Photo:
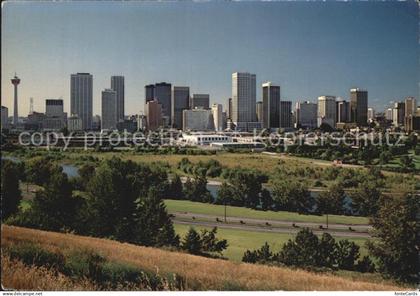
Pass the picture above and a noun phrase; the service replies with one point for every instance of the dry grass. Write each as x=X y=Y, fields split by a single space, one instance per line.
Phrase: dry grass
x=199 y=273
x=16 y=275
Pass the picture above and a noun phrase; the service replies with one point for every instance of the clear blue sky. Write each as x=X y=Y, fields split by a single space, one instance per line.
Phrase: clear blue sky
x=309 y=48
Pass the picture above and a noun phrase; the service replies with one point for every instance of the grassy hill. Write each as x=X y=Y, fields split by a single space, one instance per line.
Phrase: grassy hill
x=197 y=273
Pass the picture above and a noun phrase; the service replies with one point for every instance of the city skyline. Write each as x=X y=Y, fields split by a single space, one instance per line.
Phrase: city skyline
x=44 y=46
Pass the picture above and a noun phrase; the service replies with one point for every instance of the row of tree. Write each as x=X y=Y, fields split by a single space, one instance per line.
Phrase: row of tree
x=307 y=250
x=122 y=200
x=395 y=247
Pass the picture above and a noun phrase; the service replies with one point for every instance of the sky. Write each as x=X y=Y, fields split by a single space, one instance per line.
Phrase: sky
x=308 y=48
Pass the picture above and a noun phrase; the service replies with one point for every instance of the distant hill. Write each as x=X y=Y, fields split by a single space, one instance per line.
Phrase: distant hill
x=198 y=273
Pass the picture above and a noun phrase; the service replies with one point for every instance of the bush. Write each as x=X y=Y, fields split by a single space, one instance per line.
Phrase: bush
x=32 y=254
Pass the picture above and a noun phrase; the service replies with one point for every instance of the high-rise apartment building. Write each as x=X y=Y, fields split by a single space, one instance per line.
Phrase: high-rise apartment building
x=244 y=100
x=358 y=106
x=180 y=102
x=81 y=97
x=306 y=114
x=200 y=101
x=109 y=109
x=326 y=110
x=117 y=84
x=271 y=105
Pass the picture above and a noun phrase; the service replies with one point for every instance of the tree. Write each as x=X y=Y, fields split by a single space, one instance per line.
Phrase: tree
x=266 y=200
x=152 y=223
x=327 y=251
x=365 y=200
x=332 y=200
x=196 y=190
x=407 y=163
x=250 y=256
x=302 y=251
x=365 y=265
x=39 y=170
x=54 y=207
x=262 y=255
x=175 y=191
x=292 y=196
x=86 y=172
x=11 y=194
x=397 y=248
x=125 y=201
x=192 y=242
x=347 y=254
x=210 y=243
x=385 y=157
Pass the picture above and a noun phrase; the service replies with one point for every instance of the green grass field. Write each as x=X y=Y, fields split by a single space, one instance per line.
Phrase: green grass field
x=210 y=209
x=241 y=240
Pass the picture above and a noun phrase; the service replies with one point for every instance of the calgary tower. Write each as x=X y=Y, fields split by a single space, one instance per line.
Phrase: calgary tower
x=15 y=82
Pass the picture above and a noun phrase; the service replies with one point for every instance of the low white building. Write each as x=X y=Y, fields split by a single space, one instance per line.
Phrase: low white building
x=205 y=139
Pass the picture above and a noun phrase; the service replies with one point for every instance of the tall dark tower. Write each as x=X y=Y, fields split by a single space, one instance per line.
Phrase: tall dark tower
x=15 y=81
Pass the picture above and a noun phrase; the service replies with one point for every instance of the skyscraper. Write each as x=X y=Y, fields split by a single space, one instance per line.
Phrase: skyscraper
x=15 y=81
x=55 y=117
x=358 y=106
x=201 y=101
x=180 y=102
x=117 y=84
x=81 y=96
x=109 y=109
x=343 y=111
x=285 y=114
x=398 y=114
x=244 y=100
x=371 y=114
x=326 y=110
x=217 y=110
x=149 y=92
x=153 y=114
x=306 y=114
x=410 y=106
x=4 y=117
x=259 y=110
x=163 y=92
x=229 y=108
x=271 y=105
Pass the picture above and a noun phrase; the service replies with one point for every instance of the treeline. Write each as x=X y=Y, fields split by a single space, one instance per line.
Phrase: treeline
x=395 y=247
x=367 y=154
x=120 y=200
x=286 y=191
x=306 y=250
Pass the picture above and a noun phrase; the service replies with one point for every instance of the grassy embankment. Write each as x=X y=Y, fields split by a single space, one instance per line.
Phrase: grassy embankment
x=197 y=273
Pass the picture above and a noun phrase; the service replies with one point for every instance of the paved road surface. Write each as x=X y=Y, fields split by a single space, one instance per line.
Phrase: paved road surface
x=274 y=225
